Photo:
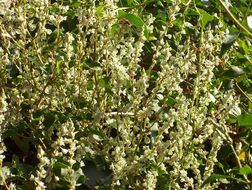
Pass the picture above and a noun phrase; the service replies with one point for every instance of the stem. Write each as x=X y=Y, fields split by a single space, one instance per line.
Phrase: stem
x=235 y=19
x=49 y=82
x=244 y=93
x=199 y=57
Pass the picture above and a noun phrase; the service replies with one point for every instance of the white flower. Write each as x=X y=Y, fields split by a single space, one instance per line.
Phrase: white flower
x=211 y=97
x=4 y=6
x=151 y=180
x=249 y=21
x=228 y=3
x=206 y=2
x=12 y=186
x=235 y=111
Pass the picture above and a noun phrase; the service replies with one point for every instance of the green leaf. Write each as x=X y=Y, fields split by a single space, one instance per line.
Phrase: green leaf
x=232 y=119
x=63 y=183
x=80 y=102
x=70 y=14
x=89 y=64
x=58 y=63
x=80 y=178
x=114 y=29
x=104 y=83
x=12 y=131
x=152 y=38
x=245 y=170
x=99 y=10
x=233 y=72
x=130 y=2
x=160 y=3
x=99 y=162
x=244 y=46
x=230 y=38
x=60 y=165
x=75 y=4
x=170 y=101
x=49 y=119
x=135 y=20
x=205 y=17
x=215 y=177
x=163 y=181
x=98 y=132
x=221 y=166
x=121 y=14
x=228 y=42
x=245 y=120
x=53 y=8
x=24 y=170
x=146 y=33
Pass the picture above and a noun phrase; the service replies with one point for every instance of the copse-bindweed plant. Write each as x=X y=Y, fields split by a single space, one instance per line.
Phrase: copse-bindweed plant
x=131 y=86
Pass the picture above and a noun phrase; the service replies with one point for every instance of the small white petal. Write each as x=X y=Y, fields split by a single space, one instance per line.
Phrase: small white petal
x=236 y=110
x=212 y=98
x=249 y=21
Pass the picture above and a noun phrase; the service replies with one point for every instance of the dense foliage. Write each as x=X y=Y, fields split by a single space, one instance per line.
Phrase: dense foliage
x=125 y=94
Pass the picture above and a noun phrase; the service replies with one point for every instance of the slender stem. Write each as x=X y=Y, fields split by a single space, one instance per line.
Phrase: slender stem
x=49 y=82
x=235 y=19
x=244 y=93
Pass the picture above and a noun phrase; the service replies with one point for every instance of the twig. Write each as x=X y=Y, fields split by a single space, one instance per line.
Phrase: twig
x=43 y=91
x=244 y=93
x=235 y=19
